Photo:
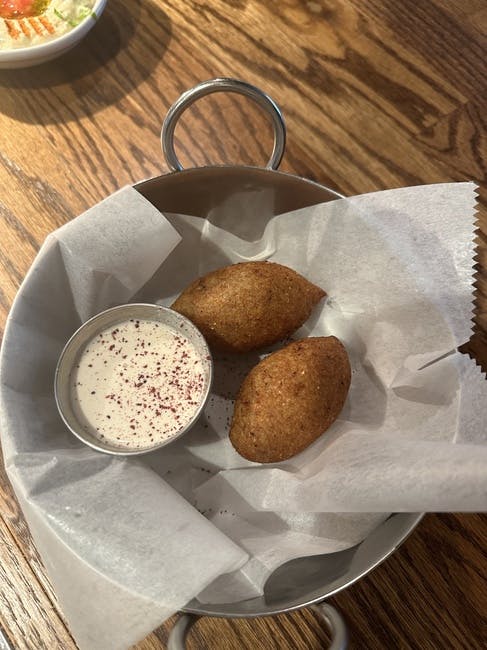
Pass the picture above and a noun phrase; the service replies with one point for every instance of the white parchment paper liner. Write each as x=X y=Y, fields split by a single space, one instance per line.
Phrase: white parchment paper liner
x=124 y=547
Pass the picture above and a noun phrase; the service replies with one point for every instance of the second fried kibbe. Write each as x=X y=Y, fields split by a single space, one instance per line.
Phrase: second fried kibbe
x=289 y=399
x=247 y=306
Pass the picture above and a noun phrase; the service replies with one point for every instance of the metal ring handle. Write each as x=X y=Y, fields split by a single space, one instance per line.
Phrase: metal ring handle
x=215 y=86
x=331 y=616
x=336 y=624
x=178 y=634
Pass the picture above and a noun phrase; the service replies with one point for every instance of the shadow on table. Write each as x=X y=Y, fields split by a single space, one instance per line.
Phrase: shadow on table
x=116 y=56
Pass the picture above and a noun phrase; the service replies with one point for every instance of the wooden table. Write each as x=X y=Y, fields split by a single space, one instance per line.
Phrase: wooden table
x=376 y=94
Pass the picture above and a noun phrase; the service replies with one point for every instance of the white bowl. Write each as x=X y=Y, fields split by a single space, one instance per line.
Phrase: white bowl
x=25 y=57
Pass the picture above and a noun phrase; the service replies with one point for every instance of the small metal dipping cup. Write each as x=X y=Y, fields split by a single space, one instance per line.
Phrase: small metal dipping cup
x=87 y=332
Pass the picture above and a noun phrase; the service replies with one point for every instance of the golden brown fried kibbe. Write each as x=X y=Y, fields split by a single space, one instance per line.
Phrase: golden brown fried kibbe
x=289 y=399
x=250 y=305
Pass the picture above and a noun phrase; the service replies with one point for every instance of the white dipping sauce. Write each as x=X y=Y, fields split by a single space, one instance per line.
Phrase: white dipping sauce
x=138 y=383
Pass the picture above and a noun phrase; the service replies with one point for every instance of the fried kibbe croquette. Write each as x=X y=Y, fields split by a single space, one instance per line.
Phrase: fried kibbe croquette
x=247 y=306
x=290 y=398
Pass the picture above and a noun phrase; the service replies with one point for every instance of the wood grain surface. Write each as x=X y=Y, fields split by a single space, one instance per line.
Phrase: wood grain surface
x=376 y=94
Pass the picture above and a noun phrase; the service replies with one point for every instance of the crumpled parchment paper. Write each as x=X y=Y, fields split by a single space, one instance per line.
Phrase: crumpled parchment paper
x=129 y=542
